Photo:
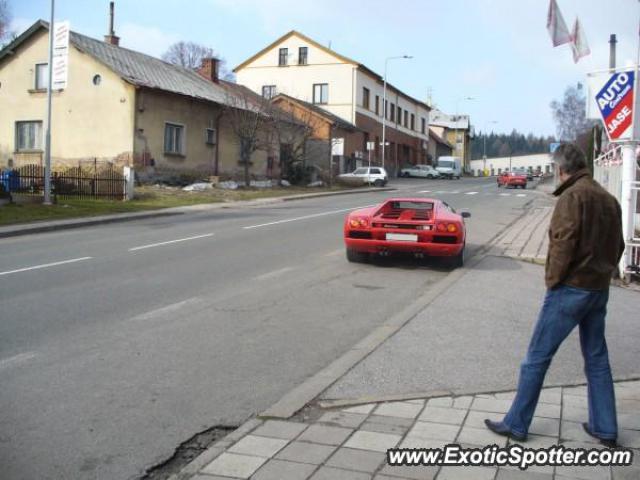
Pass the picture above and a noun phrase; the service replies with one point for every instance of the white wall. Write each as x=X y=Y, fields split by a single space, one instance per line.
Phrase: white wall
x=541 y=160
x=298 y=80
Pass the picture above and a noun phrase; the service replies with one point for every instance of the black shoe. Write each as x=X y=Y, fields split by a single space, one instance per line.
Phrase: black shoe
x=501 y=429
x=607 y=442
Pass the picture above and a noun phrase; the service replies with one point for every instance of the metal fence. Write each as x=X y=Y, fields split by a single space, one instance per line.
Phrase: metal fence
x=107 y=183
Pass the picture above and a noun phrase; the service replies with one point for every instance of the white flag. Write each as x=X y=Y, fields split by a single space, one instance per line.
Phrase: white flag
x=556 y=26
x=579 y=43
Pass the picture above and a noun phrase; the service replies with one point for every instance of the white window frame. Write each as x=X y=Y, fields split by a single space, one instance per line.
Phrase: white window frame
x=42 y=84
x=37 y=139
x=272 y=91
x=182 y=150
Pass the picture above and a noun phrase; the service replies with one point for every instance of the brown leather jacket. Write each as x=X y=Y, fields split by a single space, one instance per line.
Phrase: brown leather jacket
x=585 y=235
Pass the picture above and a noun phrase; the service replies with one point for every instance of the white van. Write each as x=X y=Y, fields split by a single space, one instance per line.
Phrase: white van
x=449 y=167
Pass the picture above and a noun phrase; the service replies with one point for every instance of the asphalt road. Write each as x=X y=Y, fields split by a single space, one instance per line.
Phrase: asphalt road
x=119 y=342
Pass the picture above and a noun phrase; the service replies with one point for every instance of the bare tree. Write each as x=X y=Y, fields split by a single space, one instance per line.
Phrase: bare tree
x=190 y=55
x=249 y=118
x=570 y=114
x=5 y=20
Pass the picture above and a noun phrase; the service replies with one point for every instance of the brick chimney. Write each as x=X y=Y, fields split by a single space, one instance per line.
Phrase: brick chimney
x=209 y=68
x=111 y=37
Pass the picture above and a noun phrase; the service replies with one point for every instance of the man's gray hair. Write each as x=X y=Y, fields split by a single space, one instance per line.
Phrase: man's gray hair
x=569 y=158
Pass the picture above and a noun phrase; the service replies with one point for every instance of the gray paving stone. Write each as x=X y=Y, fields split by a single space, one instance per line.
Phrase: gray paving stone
x=280 y=429
x=491 y=405
x=359 y=460
x=573 y=431
x=629 y=438
x=378 y=442
x=363 y=409
x=584 y=473
x=417 y=401
x=631 y=472
x=536 y=441
x=476 y=419
x=522 y=475
x=437 y=431
x=579 y=391
x=551 y=395
x=304 y=452
x=440 y=402
x=235 y=466
x=548 y=410
x=342 y=419
x=330 y=473
x=258 y=446
x=574 y=401
x=415 y=473
x=627 y=405
x=549 y=427
x=369 y=426
x=629 y=421
x=462 y=402
x=283 y=470
x=574 y=414
x=466 y=473
x=325 y=434
x=399 y=409
x=505 y=396
x=419 y=442
x=451 y=416
x=480 y=437
x=401 y=422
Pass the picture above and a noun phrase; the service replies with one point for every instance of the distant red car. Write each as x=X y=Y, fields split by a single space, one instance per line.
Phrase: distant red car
x=512 y=179
x=421 y=226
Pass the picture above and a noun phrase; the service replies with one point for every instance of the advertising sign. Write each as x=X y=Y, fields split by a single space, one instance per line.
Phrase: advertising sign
x=60 y=55
x=615 y=102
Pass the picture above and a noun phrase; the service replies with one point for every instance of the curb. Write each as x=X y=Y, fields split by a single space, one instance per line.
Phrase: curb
x=41 y=227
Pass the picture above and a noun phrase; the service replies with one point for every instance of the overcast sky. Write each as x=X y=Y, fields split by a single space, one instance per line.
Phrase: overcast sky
x=497 y=51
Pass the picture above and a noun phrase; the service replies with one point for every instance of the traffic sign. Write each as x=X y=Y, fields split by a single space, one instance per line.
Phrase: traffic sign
x=615 y=102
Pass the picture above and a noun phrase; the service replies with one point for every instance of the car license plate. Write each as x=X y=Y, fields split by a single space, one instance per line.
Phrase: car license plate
x=402 y=237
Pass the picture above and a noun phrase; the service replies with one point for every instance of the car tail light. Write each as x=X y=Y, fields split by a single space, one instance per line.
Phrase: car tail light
x=452 y=228
x=442 y=227
x=447 y=227
x=358 y=223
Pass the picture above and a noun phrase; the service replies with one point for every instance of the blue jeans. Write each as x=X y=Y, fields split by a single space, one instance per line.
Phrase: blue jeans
x=565 y=307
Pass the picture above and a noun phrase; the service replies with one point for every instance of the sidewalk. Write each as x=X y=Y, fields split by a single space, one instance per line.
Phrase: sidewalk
x=433 y=377
x=351 y=443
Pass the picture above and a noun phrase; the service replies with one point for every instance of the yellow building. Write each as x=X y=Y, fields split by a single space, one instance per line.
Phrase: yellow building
x=457 y=131
x=120 y=107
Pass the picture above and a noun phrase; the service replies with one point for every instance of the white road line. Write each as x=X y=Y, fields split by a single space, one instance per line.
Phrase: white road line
x=505 y=194
x=45 y=265
x=21 y=357
x=471 y=193
x=455 y=191
x=275 y=273
x=142 y=247
x=150 y=315
x=521 y=195
x=424 y=191
x=306 y=217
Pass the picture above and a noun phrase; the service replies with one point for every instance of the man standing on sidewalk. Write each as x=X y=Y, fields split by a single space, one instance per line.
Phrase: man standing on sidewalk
x=585 y=246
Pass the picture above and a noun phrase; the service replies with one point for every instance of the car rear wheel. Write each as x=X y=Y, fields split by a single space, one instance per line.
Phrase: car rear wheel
x=524 y=186
x=458 y=260
x=356 y=257
x=378 y=183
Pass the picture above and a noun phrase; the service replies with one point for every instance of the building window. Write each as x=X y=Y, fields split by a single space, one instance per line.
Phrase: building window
x=173 y=138
x=283 y=57
x=392 y=113
x=321 y=93
x=386 y=109
x=210 y=136
x=302 y=55
x=377 y=105
x=268 y=91
x=406 y=118
x=365 y=98
x=423 y=125
x=399 y=115
x=42 y=76
x=28 y=136
x=413 y=122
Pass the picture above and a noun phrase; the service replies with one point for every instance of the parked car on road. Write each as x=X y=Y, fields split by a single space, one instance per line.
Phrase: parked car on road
x=421 y=226
x=368 y=175
x=423 y=171
x=449 y=167
x=512 y=179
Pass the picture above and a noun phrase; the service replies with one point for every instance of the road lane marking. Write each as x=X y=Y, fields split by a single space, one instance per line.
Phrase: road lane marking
x=20 y=358
x=521 y=195
x=142 y=247
x=307 y=217
x=505 y=194
x=471 y=193
x=164 y=310
x=424 y=191
x=45 y=265
x=275 y=273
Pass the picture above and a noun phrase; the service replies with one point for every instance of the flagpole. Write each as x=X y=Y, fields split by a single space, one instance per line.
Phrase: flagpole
x=47 y=146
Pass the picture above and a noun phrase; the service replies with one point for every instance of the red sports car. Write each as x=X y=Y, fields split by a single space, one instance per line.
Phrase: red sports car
x=512 y=179
x=421 y=226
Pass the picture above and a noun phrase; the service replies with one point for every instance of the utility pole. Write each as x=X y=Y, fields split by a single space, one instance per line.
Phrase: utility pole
x=47 y=142
x=612 y=51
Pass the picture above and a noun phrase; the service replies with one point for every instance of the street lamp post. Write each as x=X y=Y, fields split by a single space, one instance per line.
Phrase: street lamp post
x=384 y=103
x=458 y=100
x=47 y=141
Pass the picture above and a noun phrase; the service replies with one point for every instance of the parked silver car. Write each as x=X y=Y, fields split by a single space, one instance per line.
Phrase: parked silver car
x=369 y=175
x=423 y=171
